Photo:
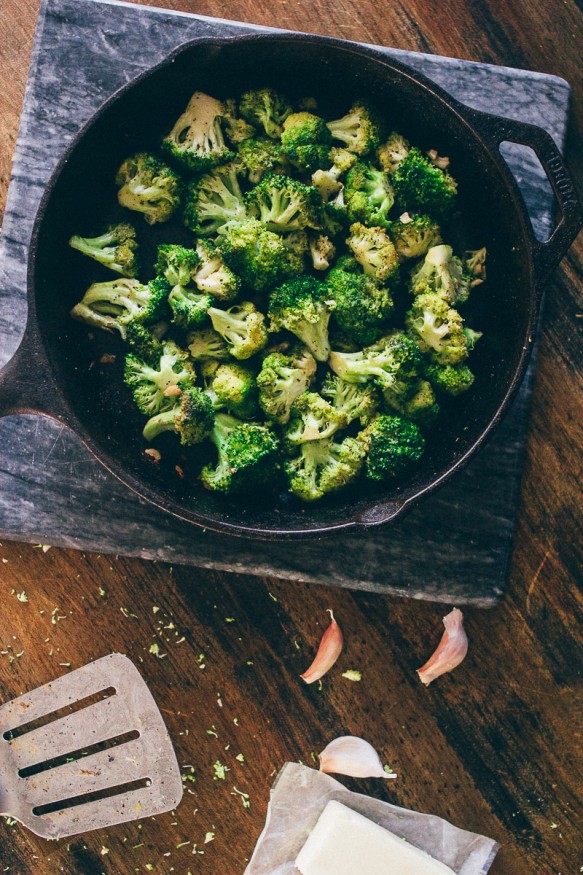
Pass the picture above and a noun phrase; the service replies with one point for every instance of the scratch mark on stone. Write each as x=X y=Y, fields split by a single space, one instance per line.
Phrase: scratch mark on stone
x=534 y=580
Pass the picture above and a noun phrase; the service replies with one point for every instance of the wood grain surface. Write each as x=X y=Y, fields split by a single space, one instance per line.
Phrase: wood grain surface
x=494 y=747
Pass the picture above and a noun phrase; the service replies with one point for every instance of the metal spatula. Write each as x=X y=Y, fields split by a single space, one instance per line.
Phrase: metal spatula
x=88 y=750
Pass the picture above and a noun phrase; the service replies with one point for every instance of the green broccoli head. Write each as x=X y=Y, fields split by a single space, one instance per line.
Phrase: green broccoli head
x=156 y=388
x=306 y=141
x=192 y=418
x=414 y=235
x=360 y=129
x=282 y=379
x=214 y=200
x=206 y=344
x=450 y=379
x=177 y=264
x=374 y=251
x=324 y=467
x=362 y=307
x=313 y=419
x=248 y=457
x=393 y=360
x=393 y=152
x=284 y=204
x=242 y=327
x=261 y=155
x=297 y=242
x=231 y=386
x=116 y=248
x=417 y=402
x=113 y=305
x=438 y=329
x=441 y=273
x=393 y=445
x=236 y=129
x=213 y=276
x=421 y=187
x=189 y=307
x=368 y=195
x=267 y=109
x=353 y=400
x=196 y=141
x=143 y=342
x=148 y=186
x=302 y=306
x=259 y=256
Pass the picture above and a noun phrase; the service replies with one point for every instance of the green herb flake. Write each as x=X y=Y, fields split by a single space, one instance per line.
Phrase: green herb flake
x=352 y=675
x=220 y=771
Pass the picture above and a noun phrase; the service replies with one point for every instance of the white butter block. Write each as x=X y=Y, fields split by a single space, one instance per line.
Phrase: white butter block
x=344 y=842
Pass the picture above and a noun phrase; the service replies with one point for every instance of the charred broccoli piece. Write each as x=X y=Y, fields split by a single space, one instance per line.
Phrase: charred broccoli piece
x=374 y=251
x=391 y=361
x=267 y=109
x=352 y=400
x=242 y=327
x=113 y=305
x=369 y=195
x=393 y=152
x=248 y=456
x=362 y=306
x=261 y=155
x=306 y=141
x=438 y=329
x=322 y=251
x=213 y=201
x=156 y=388
x=192 y=418
x=416 y=402
x=312 y=419
x=213 y=276
x=282 y=379
x=231 y=386
x=196 y=141
x=259 y=256
x=302 y=306
x=442 y=273
x=450 y=379
x=148 y=186
x=324 y=467
x=283 y=204
x=205 y=344
x=414 y=235
x=359 y=130
x=474 y=262
x=116 y=248
x=421 y=187
x=393 y=445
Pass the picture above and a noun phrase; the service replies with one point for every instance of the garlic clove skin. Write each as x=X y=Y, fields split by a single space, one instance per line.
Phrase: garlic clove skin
x=352 y=756
x=328 y=652
x=452 y=649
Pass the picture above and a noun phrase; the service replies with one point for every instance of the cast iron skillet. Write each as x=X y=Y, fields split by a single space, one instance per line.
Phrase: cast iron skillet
x=54 y=371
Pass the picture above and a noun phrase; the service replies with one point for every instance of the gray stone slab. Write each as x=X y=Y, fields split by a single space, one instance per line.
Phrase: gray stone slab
x=455 y=547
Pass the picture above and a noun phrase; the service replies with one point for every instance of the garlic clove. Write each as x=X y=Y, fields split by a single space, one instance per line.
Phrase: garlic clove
x=353 y=756
x=452 y=649
x=328 y=652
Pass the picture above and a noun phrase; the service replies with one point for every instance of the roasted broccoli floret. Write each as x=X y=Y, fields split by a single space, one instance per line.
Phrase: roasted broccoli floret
x=417 y=402
x=328 y=181
x=474 y=261
x=393 y=152
x=392 y=445
x=113 y=305
x=312 y=419
x=236 y=129
x=306 y=141
x=248 y=456
x=282 y=379
x=265 y=108
x=359 y=129
x=155 y=389
x=196 y=141
x=283 y=204
x=414 y=235
x=116 y=248
x=242 y=327
x=362 y=306
x=177 y=264
x=438 y=329
x=391 y=361
x=322 y=251
x=374 y=251
x=324 y=467
x=302 y=306
x=442 y=273
x=297 y=242
x=368 y=195
x=144 y=342
x=214 y=200
x=192 y=418
x=148 y=186
x=352 y=400
x=205 y=344
x=213 y=276
x=421 y=187
x=231 y=386
x=259 y=256
x=189 y=307
x=261 y=155
x=450 y=379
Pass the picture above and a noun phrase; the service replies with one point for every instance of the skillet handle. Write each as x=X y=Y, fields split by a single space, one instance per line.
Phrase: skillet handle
x=546 y=255
x=27 y=384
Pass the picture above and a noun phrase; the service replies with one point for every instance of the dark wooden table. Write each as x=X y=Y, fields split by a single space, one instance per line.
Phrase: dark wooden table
x=493 y=747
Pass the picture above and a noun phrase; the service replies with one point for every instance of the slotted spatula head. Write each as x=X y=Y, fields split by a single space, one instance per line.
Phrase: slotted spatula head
x=86 y=751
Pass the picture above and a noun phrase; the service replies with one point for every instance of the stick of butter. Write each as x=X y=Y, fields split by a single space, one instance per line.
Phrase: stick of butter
x=344 y=842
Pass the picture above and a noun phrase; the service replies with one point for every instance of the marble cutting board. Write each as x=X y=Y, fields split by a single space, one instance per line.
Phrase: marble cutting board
x=454 y=548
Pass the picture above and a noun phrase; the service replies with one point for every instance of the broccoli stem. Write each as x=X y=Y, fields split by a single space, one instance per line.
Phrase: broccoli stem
x=159 y=423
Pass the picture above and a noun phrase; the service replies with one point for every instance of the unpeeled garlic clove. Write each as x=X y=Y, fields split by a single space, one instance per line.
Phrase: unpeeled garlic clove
x=451 y=650
x=353 y=756
x=328 y=652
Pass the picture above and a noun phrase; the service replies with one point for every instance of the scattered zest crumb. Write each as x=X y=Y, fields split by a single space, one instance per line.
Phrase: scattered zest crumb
x=153 y=454
x=352 y=675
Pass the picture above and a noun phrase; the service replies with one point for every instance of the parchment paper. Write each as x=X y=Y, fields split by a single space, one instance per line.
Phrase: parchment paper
x=298 y=797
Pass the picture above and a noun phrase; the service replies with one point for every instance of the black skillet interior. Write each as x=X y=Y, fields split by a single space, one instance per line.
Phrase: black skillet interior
x=83 y=200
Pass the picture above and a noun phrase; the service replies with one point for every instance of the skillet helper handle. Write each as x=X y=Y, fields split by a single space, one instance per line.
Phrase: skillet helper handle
x=547 y=255
x=27 y=384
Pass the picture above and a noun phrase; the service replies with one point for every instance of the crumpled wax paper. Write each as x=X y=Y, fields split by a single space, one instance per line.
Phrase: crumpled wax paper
x=298 y=797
